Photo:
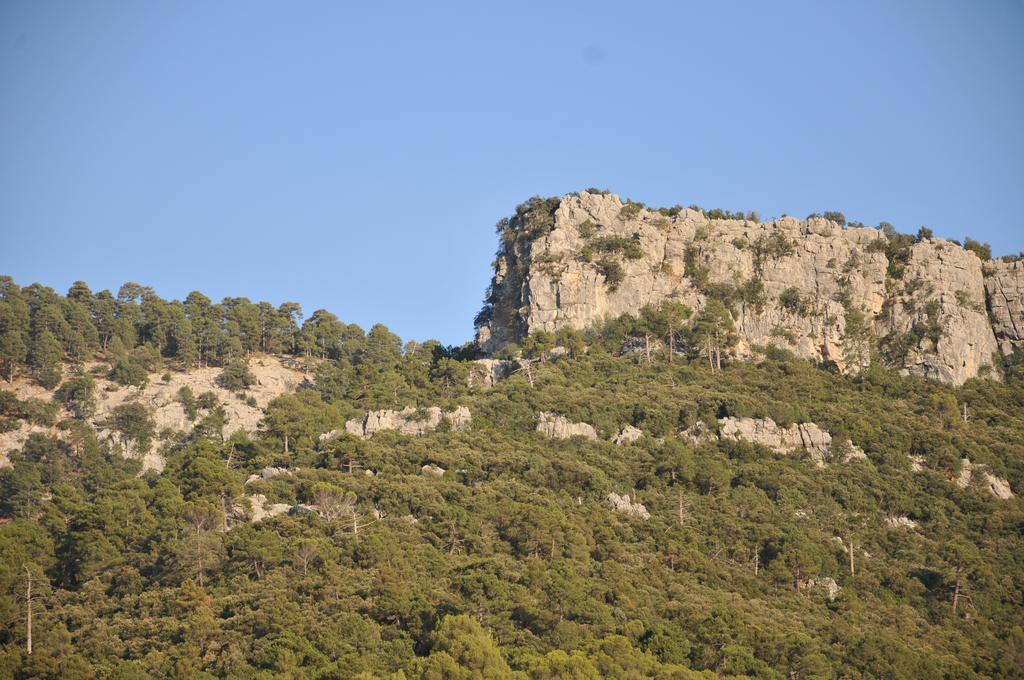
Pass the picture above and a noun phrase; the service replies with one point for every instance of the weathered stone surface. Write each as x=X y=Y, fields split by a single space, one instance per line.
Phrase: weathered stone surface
x=900 y=522
x=624 y=505
x=274 y=376
x=826 y=583
x=267 y=473
x=410 y=421
x=559 y=427
x=431 y=470
x=628 y=435
x=487 y=372
x=950 y=279
x=997 y=486
x=1004 y=284
x=546 y=284
x=262 y=510
x=802 y=437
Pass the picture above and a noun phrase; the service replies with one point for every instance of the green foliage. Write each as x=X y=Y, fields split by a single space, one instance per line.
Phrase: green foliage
x=791 y=301
x=135 y=425
x=236 y=376
x=631 y=209
x=77 y=394
x=771 y=246
x=982 y=250
x=835 y=216
x=612 y=272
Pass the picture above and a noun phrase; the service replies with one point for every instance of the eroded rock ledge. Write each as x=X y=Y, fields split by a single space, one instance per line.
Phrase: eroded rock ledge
x=828 y=293
x=410 y=420
x=806 y=438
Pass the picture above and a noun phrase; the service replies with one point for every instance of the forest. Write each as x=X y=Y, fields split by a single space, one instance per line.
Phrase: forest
x=492 y=550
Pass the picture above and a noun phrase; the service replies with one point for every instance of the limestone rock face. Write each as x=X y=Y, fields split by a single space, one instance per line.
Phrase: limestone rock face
x=826 y=583
x=900 y=522
x=997 y=486
x=268 y=473
x=487 y=372
x=262 y=510
x=1004 y=284
x=803 y=437
x=274 y=376
x=624 y=505
x=628 y=435
x=410 y=421
x=943 y=284
x=827 y=295
x=431 y=470
x=559 y=427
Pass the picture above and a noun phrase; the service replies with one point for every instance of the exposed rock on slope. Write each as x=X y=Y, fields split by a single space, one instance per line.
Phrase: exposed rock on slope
x=559 y=427
x=626 y=506
x=628 y=435
x=803 y=437
x=410 y=421
x=827 y=293
x=1005 y=287
x=996 y=486
x=273 y=378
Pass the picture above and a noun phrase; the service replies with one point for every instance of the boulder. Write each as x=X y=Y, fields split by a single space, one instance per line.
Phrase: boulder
x=559 y=427
x=624 y=505
x=267 y=473
x=997 y=486
x=628 y=435
x=431 y=470
x=900 y=522
x=826 y=583
x=409 y=421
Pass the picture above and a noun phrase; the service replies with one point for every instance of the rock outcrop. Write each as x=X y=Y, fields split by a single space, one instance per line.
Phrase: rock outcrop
x=274 y=376
x=487 y=372
x=626 y=506
x=900 y=522
x=807 y=438
x=261 y=510
x=410 y=421
x=560 y=427
x=824 y=292
x=431 y=470
x=1004 y=285
x=826 y=583
x=628 y=435
x=997 y=486
x=268 y=473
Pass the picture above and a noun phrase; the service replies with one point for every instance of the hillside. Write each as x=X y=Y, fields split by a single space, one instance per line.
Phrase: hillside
x=641 y=480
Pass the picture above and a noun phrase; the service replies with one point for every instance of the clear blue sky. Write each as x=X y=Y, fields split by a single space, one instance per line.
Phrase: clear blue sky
x=355 y=156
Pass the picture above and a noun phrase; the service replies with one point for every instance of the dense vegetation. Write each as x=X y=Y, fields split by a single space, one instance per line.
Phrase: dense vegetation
x=511 y=564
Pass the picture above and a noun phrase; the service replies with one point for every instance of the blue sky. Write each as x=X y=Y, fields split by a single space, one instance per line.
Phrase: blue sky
x=355 y=157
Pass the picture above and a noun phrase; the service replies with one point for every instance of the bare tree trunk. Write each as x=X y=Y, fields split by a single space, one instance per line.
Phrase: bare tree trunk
x=956 y=592
x=28 y=611
x=286 y=443
x=757 y=561
x=851 y=556
x=680 y=508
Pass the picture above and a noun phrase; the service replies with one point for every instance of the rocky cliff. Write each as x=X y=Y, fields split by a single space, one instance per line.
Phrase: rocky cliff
x=822 y=291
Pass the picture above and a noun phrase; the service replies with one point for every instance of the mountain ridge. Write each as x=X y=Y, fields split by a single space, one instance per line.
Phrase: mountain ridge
x=824 y=291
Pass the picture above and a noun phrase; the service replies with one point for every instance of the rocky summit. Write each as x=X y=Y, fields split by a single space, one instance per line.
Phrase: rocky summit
x=820 y=289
